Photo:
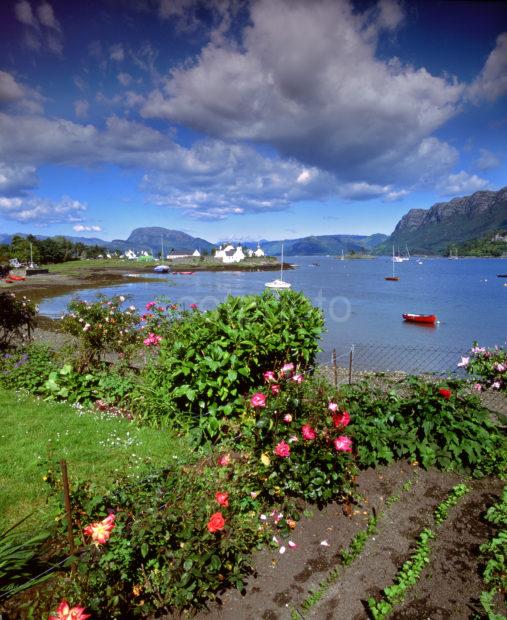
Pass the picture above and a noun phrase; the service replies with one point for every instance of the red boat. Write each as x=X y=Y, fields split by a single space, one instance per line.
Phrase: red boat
x=427 y=319
x=16 y=278
x=185 y=273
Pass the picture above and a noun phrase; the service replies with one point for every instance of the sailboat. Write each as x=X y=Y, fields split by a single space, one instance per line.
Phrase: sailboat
x=392 y=278
x=161 y=268
x=279 y=284
x=343 y=256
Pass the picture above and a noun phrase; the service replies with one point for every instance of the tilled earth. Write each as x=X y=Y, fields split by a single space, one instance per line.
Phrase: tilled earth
x=449 y=586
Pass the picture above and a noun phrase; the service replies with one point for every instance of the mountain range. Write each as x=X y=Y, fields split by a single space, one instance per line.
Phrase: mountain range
x=424 y=231
x=431 y=231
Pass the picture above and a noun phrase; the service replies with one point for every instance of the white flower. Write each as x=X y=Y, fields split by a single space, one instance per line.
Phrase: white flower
x=292 y=545
x=324 y=543
x=86 y=327
x=121 y=298
x=282 y=550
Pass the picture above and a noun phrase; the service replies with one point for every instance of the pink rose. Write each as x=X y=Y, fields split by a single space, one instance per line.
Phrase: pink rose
x=287 y=369
x=343 y=444
x=477 y=387
x=308 y=432
x=150 y=305
x=283 y=450
x=332 y=407
x=275 y=389
x=224 y=460
x=222 y=499
x=258 y=400
x=341 y=419
x=297 y=378
x=287 y=418
x=269 y=376
x=193 y=306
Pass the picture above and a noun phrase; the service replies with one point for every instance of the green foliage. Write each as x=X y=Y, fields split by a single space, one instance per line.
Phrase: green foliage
x=495 y=550
x=442 y=510
x=488 y=366
x=27 y=368
x=480 y=247
x=51 y=250
x=198 y=380
x=422 y=424
x=314 y=470
x=18 y=559
x=161 y=553
x=102 y=326
x=17 y=315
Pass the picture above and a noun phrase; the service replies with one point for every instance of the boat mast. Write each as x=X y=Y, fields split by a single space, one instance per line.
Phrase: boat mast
x=281 y=265
x=393 y=261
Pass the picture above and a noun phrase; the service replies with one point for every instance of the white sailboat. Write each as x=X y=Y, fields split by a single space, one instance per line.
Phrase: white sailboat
x=279 y=283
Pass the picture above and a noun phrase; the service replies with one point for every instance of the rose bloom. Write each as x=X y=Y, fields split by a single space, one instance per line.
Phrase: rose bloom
x=65 y=612
x=283 y=450
x=275 y=389
x=269 y=376
x=343 y=444
x=222 y=499
x=477 y=387
x=332 y=407
x=193 y=306
x=445 y=393
x=101 y=531
x=287 y=368
x=216 y=522
x=298 y=378
x=287 y=418
x=150 y=305
x=341 y=419
x=258 y=400
x=496 y=385
x=308 y=432
x=224 y=460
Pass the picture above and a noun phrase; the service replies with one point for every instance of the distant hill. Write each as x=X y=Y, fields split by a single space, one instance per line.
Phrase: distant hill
x=148 y=238
x=321 y=244
x=431 y=231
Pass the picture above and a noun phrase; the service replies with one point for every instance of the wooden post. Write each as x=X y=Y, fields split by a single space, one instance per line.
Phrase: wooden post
x=66 y=497
x=335 y=369
x=351 y=360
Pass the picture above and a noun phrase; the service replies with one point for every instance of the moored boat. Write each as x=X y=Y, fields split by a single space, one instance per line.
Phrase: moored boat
x=427 y=319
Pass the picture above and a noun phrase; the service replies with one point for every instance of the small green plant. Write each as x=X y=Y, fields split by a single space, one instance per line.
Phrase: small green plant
x=27 y=368
x=442 y=510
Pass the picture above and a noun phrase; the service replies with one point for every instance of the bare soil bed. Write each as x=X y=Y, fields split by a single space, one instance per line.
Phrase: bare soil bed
x=449 y=587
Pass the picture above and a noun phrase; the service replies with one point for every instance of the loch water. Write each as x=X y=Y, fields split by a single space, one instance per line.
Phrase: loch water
x=359 y=305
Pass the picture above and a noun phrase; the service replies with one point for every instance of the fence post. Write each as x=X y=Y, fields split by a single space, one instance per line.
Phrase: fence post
x=335 y=369
x=66 y=497
x=351 y=360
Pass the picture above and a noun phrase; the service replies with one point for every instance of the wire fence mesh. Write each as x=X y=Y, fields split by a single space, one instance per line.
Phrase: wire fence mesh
x=387 y=367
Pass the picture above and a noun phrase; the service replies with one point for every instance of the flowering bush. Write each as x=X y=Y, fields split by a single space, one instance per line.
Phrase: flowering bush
x=27 y=368
x=102 y=326
x=428 y=423
x=213 y=358
x=488 y=366
x=17 y=316
x=299 y=443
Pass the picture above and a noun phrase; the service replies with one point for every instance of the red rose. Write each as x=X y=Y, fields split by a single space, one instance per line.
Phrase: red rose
x=222 y=499
x=341 y=419
x=445 y=393
x=216 y=522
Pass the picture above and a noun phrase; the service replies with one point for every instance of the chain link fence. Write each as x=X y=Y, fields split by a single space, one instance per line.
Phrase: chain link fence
x=386 y=367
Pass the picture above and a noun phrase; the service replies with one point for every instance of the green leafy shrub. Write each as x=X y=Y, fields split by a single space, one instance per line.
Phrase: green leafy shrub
x=430 y=424
x=299 y=445
x=495 y=550
x=218 y=356
x=488 y=366
x=27 y=368
x=17 y=316
x=168 y=547
x=102 y=326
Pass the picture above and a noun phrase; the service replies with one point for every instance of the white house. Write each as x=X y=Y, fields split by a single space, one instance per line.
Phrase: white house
x=258 y=252
x=230 y=254
x=131 y=255
x=196 y=253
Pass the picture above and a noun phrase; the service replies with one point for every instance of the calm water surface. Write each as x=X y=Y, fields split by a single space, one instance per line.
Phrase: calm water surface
x=360 y=307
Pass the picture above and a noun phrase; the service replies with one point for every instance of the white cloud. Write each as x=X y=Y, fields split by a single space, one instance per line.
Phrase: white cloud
x=47 y=16
x=40 y=211
x=116 y=52
x=16 y=179
x=81 y=228
x=81 y=108
x=24 y=14
x=491 y=83
x=487 y=160
x=305 y=79
x=12 y=92
x=42 y=31
x=124 y=78
x=461 y=183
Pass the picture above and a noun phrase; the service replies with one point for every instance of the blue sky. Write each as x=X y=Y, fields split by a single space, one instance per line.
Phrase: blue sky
x=246 y=120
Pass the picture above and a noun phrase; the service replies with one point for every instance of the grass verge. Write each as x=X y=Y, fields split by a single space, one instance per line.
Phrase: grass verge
x=35 y=434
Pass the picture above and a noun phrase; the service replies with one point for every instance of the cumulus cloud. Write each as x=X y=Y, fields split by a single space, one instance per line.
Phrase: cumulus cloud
x=487 y=160
x=81 y=108
x=116 y=52
x=81 y=228
x=13 y=93
x=461 y=183
x=16 y=179
x=491 y=83
x=42 y=29
x=40 y=211
x=306 y=80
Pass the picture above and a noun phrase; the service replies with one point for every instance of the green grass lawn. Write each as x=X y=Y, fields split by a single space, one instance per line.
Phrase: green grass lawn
x=96 y=446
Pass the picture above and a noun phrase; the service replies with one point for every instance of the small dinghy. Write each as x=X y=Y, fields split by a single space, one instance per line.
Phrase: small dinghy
x=426 y=319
